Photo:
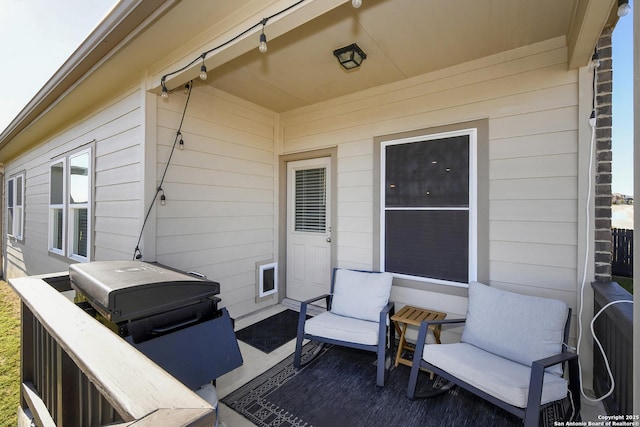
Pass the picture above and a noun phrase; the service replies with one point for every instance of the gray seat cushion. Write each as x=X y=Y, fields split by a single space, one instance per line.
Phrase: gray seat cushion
x=495 y=375
x=333 y=326
x=520 y=328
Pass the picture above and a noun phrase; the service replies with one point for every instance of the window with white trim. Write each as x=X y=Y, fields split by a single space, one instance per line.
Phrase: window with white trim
x=428 y=221
x=70 y=206
x=15 y=206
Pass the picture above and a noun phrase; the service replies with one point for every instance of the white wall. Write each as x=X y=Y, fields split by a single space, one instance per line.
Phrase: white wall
x=219 y=217
x=115 y=128
x=531 y=102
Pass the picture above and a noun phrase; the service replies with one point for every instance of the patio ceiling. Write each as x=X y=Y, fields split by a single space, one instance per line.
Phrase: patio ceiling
x=402 y=39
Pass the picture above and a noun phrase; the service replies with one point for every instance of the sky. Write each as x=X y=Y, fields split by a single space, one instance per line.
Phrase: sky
x=38 y=36
x=622 y=132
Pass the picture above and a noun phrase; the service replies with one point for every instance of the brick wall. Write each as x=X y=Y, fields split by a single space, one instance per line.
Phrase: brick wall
x=602 y=221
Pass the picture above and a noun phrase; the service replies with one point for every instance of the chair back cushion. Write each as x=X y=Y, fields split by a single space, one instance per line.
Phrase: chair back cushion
x=518 y=327
x=361 y=295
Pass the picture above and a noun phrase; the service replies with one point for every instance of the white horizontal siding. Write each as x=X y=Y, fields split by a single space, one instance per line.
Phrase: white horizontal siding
x=219 y=216
x=531 y=102
x=114 y=131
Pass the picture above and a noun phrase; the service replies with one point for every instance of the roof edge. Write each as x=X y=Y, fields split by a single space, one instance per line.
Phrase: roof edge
x=104 y=40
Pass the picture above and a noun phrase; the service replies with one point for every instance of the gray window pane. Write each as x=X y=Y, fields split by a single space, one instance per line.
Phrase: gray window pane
x=432 y=173
x=428 y=244
x=79 y=185
x=57 y=183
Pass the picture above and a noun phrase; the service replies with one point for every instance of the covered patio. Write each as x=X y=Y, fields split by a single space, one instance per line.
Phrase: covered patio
x=192 y=124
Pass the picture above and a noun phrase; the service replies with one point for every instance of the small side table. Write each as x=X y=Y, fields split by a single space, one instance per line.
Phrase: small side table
x=409 y=315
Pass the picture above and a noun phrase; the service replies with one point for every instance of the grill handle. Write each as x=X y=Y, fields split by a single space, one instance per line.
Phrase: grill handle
x=175 y=326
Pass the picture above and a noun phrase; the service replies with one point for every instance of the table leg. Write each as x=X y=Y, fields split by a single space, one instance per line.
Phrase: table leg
x=401 y=343
x=436 y=333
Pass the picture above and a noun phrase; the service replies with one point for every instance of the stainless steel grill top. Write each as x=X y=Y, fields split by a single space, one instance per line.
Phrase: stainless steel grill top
x=126 y=290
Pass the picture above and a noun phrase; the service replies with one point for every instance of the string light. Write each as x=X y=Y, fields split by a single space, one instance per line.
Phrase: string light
x=203 y=70
x=623 y=8
x=356 y=3
x=165 y=93
x=181 y=143
x=137 y=253
x=262 y=47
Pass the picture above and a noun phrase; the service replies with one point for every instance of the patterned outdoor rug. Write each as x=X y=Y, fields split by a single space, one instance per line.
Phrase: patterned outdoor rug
x=272 y=332
x=338 y=388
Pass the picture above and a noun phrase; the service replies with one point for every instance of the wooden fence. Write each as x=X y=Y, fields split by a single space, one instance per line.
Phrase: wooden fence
x=622 y=252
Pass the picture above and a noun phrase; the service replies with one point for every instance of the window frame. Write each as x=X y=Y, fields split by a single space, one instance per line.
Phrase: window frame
x=472 y=246
x=12 y=195
x=67 y=207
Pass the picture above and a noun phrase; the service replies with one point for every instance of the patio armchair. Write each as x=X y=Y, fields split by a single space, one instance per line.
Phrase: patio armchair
x=358 y=316
x=512 y=353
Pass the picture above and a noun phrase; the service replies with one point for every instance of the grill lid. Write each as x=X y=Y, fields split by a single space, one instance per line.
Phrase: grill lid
x=125 y=290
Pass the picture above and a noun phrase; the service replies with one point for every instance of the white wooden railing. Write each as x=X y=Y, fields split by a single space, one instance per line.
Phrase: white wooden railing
x=76 y=372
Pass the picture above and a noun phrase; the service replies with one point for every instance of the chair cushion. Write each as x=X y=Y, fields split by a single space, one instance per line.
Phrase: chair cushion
x=361 y=295
x=333 y=326
x=518 y=327
x=497 y=376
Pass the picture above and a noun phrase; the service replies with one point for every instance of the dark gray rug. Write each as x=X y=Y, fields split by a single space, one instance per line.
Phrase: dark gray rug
x=272 y=332
x=338 y=388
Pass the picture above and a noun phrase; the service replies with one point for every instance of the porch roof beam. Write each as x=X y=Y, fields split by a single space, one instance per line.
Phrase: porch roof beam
x=277 y=26
x=589 y=19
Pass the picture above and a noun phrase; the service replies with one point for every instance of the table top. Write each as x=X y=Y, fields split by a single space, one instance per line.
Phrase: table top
x=415 y=315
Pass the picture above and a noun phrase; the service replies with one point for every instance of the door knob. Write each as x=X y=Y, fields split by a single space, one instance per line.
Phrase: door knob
x=328 y=239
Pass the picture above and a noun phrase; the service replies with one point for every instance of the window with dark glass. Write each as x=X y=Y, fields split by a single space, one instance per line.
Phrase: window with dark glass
x=428 y=210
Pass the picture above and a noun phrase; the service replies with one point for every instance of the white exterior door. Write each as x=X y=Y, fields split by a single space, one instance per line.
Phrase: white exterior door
x=308 y=228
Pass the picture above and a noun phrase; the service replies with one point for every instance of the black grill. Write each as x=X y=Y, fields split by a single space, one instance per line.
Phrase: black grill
x=171 y=316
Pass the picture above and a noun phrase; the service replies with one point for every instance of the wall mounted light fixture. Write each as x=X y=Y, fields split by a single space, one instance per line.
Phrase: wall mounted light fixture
x=350 y=57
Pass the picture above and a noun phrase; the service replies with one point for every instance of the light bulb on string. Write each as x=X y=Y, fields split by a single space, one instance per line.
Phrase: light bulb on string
x=356 y=3
x=181 y=143
x=623 y=8
x=263 y=43
x=165 y=94
x=262 y=47
x=186 y=88
x=203 y=70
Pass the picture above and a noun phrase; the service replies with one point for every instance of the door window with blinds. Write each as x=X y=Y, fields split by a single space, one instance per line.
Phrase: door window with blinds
x=311 y=200
x=70 y=206
x=428 y=212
